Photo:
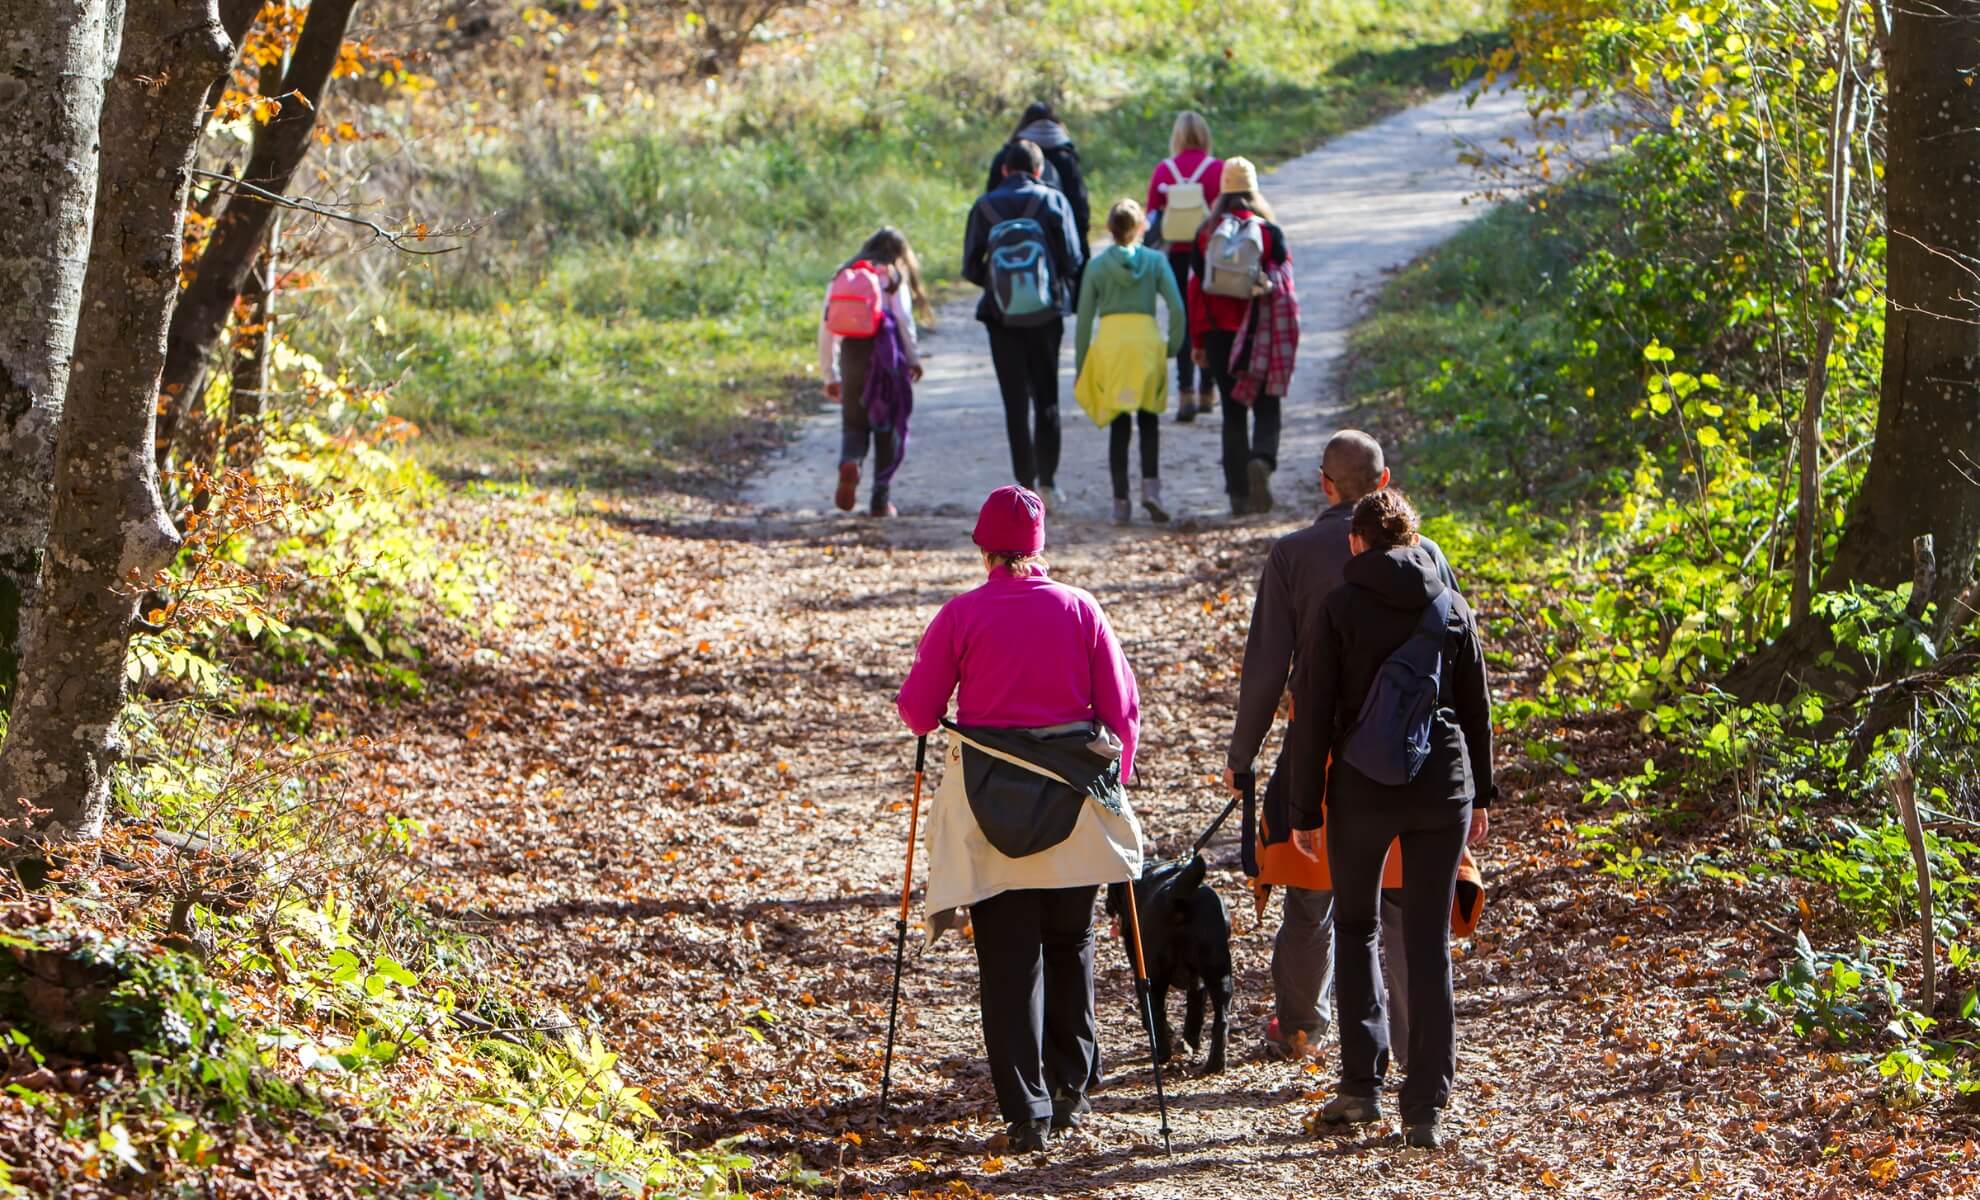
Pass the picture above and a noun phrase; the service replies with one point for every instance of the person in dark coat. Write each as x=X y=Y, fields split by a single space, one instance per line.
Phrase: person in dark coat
x=1041 y=126
x=1384 y=590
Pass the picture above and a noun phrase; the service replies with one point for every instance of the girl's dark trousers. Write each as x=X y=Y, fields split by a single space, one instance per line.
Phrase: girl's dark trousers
x=855 y=431
x=1249 y=433
x=1118 y=433
x=1034 y=951
x=1181 y=263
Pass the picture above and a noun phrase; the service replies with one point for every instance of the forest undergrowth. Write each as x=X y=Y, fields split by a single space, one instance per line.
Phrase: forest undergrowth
x=1599 y=392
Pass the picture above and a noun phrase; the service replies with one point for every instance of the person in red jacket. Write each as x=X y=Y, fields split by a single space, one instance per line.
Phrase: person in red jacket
x=1189 y=162
x=1251 y=433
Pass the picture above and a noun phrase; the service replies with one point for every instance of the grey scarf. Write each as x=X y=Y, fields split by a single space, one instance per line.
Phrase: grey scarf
x=1047 y=135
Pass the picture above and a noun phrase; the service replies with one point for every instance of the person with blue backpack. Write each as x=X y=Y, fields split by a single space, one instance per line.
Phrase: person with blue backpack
x=1391 y=741
x=1023 y=249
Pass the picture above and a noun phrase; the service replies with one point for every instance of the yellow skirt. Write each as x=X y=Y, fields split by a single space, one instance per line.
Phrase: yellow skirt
x=1126 y=369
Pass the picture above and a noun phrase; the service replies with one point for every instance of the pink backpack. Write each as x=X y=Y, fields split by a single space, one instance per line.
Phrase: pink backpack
x=853 y=305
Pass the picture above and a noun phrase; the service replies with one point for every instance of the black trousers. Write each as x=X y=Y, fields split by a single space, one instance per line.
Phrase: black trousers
x=1181 y=263
x=1034 y=951
x=1359 y=830
x=855 y=431
x=1027 y=364
x=1118 y=433
x=1248 y=432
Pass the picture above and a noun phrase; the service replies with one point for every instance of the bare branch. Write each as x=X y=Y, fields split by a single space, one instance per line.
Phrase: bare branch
x=397 y=239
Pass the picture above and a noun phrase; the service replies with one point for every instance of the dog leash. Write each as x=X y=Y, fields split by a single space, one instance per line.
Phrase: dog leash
x=1245 y=783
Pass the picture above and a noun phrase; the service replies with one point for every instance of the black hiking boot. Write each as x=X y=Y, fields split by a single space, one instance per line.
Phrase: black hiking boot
x=1422 y=1135
x=1028 y=1137
x=1260 y=473
x=1351 y=1110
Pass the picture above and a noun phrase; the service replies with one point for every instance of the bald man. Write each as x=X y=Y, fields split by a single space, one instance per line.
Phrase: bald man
x=1301 y=569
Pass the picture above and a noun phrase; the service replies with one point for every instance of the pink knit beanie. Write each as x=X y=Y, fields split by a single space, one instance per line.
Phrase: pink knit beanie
x=1012 y=521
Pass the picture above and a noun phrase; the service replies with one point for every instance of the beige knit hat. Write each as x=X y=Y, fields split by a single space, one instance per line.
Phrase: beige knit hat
x=1239 y=176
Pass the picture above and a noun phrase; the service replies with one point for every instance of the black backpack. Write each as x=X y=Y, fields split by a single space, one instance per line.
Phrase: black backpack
x=1390 y=738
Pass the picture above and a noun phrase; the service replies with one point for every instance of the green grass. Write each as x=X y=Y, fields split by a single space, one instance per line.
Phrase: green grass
x=652 y=286
x=1460 y=364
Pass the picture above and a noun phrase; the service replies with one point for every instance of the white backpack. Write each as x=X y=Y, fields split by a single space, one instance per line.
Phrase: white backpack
x=1183 y=208
x=1235 y=258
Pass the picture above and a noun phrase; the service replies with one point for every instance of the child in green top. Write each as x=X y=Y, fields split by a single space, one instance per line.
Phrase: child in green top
x=1123 y=369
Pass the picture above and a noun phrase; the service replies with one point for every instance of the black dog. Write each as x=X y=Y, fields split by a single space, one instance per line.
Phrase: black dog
x=1185 y=941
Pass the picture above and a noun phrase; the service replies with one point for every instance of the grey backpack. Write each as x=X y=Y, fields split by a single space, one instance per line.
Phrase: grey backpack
x=1235 y=257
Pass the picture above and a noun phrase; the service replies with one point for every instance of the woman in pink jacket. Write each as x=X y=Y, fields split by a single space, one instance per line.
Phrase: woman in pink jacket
x=1030 y=663
x=1196 y=179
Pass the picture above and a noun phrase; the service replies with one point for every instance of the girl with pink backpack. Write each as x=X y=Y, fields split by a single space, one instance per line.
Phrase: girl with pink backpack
x=868 y=355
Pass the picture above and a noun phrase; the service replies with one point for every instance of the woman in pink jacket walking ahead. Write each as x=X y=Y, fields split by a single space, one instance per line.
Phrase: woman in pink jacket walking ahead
x=1180 y=193
x=1030 y=817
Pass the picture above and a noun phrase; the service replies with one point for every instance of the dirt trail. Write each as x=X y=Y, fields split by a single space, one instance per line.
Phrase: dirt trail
x=674 y=789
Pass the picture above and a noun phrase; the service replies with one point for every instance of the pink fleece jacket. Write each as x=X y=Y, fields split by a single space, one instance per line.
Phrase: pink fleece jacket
x=1027 y=653
x=1159 y=180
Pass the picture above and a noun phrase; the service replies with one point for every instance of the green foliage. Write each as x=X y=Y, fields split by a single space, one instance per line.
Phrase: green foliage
x=189 y=1050
x=654 y=278
x=1841 y=997
x=1598 y=389
x=323 y=543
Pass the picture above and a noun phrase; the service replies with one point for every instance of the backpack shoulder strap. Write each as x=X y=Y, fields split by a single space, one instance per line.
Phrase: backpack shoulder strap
x=1033 y=205
x=1202 y=165
x=1175 y=171
x=997 y=214
x=1437 y=615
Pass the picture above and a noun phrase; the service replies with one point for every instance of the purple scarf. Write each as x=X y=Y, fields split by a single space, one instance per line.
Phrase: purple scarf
x=889 y=395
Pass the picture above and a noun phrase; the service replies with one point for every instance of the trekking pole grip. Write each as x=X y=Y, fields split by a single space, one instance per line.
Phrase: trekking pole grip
x=920 y=754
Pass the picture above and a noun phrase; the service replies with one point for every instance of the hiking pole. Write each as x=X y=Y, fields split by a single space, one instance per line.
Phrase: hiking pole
x=1147 y=1015
x=900 y=922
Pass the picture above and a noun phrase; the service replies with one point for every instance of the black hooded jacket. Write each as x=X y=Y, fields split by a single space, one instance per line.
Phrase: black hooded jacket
x=1381 y=598
x=1062 y=173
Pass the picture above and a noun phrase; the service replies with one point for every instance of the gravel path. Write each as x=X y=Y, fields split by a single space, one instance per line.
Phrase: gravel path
x=1358 y=207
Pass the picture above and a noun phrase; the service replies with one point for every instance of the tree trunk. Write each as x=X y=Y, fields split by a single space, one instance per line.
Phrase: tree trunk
x=109 y=533
x=1923 y=466
x=1925 y=461
x=54 y=55
x=247 y=400
x=277 y=151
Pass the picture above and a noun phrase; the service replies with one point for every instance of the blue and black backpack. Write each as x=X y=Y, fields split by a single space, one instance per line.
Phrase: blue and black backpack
x=1390 y=739
x=1021 y=284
